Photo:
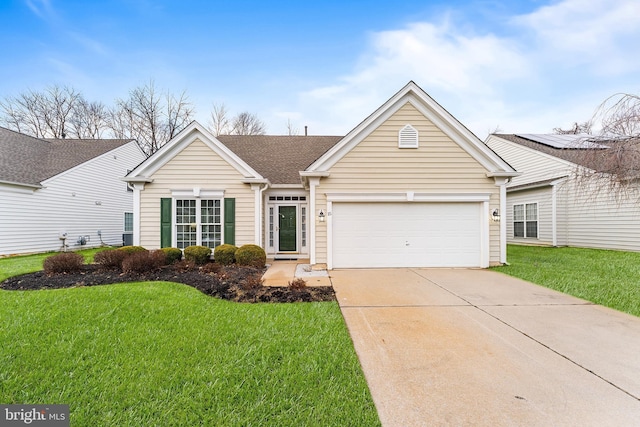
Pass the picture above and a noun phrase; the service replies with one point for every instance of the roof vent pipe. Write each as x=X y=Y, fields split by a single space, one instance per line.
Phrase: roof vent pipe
x=305 y=131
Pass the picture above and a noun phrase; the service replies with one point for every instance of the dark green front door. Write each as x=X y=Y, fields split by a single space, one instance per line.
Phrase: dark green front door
x=287 y=225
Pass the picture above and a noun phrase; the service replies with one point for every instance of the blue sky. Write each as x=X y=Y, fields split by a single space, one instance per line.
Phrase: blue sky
x=520 y=66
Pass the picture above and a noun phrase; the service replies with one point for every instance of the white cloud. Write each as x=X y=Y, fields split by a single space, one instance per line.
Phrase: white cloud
x=542 y=70
x=603 y=33
x=42 y=8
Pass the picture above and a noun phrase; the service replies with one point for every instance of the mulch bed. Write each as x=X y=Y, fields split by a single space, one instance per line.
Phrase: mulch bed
x=233 y=283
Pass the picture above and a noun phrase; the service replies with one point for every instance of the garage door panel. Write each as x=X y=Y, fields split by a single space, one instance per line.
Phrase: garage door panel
x=406 y=234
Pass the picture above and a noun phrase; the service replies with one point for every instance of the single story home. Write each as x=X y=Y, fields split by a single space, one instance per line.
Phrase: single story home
x=553 y=204
x=64 y=194
x=409 y=186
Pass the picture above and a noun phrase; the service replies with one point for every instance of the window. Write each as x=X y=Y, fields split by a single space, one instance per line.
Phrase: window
x=525 y=220
x=271 y=227
x=198 y=222
x=128 y=222
x=303 y=224
x=211 y=225
x=408 y=137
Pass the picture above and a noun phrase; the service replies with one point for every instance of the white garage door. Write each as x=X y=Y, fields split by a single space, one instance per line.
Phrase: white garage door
x=406 y=235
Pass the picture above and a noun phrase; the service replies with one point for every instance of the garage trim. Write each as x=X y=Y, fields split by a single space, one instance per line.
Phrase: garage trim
x=410 y=197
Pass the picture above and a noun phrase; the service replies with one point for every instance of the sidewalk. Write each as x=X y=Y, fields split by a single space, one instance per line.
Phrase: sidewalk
x=280 y=273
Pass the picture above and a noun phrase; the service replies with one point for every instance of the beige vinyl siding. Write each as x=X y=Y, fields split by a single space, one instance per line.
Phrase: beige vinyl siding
x=533 y=165
x=376 y=164
x=598 y=219
x=541 y=196
x=196 y=166
x=80 y=201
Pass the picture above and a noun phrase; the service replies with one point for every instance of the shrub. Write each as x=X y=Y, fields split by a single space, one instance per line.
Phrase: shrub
x=297 y=284
x=110 y=258
x=67 y=262
x=253 y=281
x=252 y=255
x=184 y=265
x=141 y=262
x=198 y=254
x=132 y=249
x=211 y=267
x=225 y=254
x=172 y=255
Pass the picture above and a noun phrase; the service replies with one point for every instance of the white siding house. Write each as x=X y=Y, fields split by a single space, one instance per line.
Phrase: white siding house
x=563 y=210
x=49 y=188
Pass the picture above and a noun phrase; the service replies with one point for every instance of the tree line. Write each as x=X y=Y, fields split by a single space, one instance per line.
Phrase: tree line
x=149 y=115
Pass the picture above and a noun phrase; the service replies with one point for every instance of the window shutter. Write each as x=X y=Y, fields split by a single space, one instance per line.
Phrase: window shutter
x=165 y=222
x=230 y=221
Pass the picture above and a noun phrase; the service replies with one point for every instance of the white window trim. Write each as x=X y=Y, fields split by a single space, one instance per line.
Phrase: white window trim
x=408 y=137
x=525 y=220
x=174 y=224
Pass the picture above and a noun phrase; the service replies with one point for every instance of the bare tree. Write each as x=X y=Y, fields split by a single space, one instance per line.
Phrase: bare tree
x=89 y=120
x=610 y=160
x=150 y=117
x=291 y=130
x=246 y=123
x=575 y=129
x=219 y=123
x=45 y=114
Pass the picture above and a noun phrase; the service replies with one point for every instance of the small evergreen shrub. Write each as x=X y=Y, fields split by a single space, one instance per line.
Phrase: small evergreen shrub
x=132 y=249
x=66 y=262
x=172 y=255
x=198 y=254
x=142 y=262
x=252 y=255
x=225 y=254
x=110 y=258
x=297 y=284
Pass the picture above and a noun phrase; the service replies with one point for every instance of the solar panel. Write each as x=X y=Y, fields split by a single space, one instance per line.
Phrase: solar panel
x=562 y=141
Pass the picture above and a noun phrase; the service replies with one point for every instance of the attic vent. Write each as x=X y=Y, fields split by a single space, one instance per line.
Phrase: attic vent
x=408 y=137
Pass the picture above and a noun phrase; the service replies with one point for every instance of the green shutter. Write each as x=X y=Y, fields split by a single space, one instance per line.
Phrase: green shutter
x=165 y=223
x=230 y=221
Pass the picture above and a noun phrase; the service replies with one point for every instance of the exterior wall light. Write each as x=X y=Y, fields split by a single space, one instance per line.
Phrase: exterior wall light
x=321 y=215
x=495 y=215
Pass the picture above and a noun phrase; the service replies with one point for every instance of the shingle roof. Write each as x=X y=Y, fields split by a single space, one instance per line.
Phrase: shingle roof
x=612 y=155
x=28 y=160
x=279 y=158
x=573 y=155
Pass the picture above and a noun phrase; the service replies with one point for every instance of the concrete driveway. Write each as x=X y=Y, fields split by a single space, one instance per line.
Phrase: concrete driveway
x=476 y=347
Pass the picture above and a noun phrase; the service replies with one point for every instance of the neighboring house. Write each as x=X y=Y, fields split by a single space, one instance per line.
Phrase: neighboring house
x=552 y=204
x=408 y=187
x=52 y=187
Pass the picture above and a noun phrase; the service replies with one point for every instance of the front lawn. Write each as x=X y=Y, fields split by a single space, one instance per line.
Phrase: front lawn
x=160 y=353
x=609 y=278
x=15 y=265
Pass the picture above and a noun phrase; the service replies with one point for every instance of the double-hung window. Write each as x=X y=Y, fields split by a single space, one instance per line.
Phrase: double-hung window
x=525 y=220
x=198 y=222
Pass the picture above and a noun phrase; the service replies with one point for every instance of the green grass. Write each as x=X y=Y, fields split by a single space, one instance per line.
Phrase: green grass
x=160 y=354
x=609 y=278
x=15 y=265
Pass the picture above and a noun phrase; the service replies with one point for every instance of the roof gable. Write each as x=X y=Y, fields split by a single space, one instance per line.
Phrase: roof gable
x=434 y=112
x=29 y=161
x=195 y=131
